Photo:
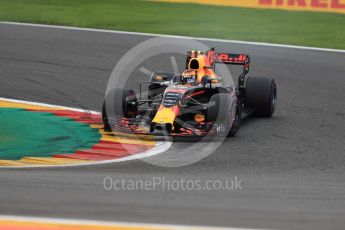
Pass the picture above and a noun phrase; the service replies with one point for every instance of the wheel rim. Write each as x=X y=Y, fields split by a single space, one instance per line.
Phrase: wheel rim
x=273 y=97
x=237 y=118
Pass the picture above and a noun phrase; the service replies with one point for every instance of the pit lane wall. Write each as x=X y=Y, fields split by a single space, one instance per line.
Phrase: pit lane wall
x=332 y=6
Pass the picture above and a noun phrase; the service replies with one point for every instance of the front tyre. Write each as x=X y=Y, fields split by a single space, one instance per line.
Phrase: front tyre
x=118 y=103
x=237 y=116
x=225 y=112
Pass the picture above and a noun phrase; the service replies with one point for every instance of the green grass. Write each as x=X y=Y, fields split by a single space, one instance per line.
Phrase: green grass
x=276 y=26
x=40 y=134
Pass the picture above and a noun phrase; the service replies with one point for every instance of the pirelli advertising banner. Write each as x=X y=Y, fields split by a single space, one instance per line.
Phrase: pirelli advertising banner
x=334 y=6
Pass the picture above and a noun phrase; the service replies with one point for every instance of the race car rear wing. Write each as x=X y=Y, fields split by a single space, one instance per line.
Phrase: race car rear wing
x=222 y=58
x=229 y=59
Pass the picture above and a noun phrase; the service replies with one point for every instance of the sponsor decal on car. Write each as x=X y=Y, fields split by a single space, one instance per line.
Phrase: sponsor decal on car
x=334 y=6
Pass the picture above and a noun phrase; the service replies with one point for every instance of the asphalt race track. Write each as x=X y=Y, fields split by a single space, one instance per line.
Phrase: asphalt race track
x=291 y=166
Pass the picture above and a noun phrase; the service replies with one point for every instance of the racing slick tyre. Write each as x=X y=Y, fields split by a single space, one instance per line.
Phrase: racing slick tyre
x=226 y=110
x=236 y=120
x=261 y=95
x=118 y=103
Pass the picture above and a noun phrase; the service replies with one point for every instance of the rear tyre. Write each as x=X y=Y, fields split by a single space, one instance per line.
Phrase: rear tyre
x=118 y=103
x=261 y=95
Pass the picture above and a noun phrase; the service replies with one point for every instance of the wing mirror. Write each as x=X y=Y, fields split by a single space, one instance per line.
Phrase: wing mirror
x=206 y=80
x=160 y=77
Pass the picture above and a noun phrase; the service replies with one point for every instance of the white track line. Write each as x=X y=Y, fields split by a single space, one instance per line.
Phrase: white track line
x=48 y=105
x=110 y=223
x=160 y=147
x=174 y=36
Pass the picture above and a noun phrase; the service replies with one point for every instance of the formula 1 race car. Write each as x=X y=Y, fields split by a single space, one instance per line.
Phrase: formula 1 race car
x=194 y=103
